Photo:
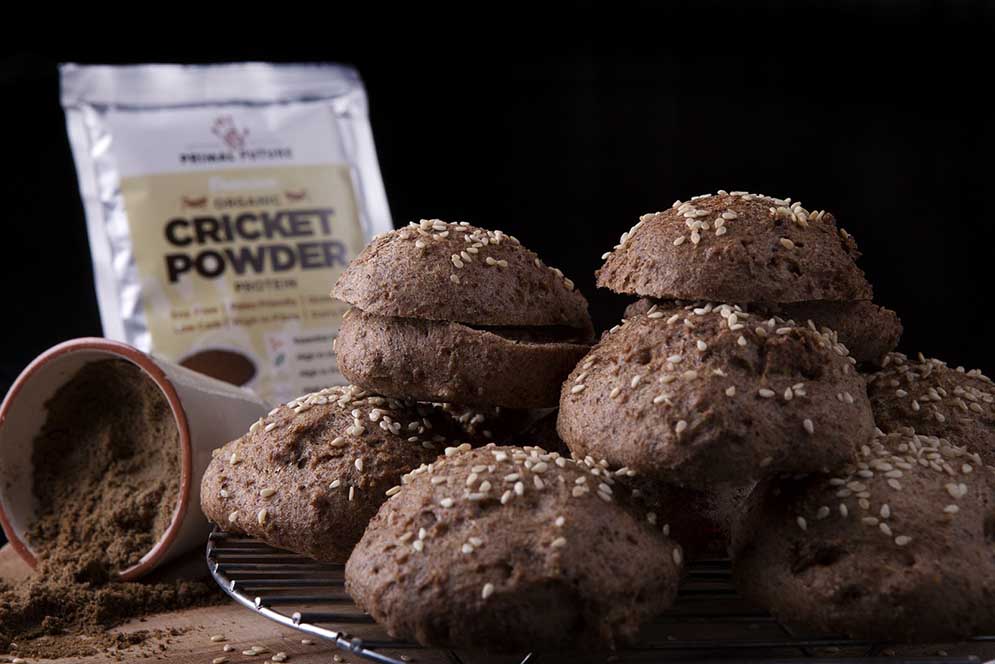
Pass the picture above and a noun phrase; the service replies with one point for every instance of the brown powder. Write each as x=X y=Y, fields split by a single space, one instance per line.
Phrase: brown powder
x=106 y=481
x=106 y=466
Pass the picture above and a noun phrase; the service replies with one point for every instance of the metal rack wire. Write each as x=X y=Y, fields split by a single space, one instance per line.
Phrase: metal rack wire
x=297 y=592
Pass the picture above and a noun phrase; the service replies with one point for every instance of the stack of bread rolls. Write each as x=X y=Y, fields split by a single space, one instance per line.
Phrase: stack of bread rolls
x=749 y=403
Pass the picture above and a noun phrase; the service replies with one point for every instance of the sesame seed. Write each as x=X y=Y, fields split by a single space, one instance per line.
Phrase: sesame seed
x=559 y=543
x=446 y=502
x=217 y=638
x=741 y=341
x=393 y=491
x=843 y=510
x=702 y=346
x=802 y=523
x=418 y=545
x=269 y=427
x=822 y=513
x=885 y=528
x=765 y=393
x=786 y=243
x=453 y=278
x=339 y=441
x=577 y=389
x=681 y=426
x=677 y=555
x=335 y=484
x=809 y=427
x=766 y=461
x=902 y=540
x=519 y=488
x=359 y=464
x=352 y=492
x=487 y=590
x=233 y=459
x=614 y=393
x=261 y=517
x=267 y=493
x=951 y=509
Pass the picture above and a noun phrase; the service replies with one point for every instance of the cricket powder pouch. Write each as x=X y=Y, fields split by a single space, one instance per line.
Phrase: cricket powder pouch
x=222 y=202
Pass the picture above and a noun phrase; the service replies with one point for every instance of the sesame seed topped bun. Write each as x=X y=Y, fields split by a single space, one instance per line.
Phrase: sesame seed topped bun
x=310 y=475
x=925 y=396
x=704 y=394
x=442 y=271
x=896 y=544
x=513 y=548
x=736 y=247
x=869 y=331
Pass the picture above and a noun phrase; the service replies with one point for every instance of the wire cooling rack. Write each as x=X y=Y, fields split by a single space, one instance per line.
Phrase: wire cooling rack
x=709 y=621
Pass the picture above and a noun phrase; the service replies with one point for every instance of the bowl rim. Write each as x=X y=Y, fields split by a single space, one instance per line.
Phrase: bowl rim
x=151 y=369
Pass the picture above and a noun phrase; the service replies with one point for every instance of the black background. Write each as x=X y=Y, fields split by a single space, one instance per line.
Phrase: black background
x=562 y=136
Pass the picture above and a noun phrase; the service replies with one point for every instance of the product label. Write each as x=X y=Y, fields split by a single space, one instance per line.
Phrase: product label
x=235 y=267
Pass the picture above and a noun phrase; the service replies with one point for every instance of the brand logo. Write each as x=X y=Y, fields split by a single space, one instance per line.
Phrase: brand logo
x=231 y=145
x=224 y=127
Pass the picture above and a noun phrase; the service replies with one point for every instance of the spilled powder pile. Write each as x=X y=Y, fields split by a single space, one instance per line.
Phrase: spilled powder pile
x=106 y=480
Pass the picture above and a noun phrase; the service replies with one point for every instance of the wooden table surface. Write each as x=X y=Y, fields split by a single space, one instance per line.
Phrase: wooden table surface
x=243 y=629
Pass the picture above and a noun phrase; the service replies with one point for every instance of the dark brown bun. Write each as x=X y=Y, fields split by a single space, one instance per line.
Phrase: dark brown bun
x=441 y=271
x=511 y=549
x=310 y=475
x=897 y=546
x=736 y=247
x=868 y=331
x=445 y=361
x=710 y=394
x=926 y=396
